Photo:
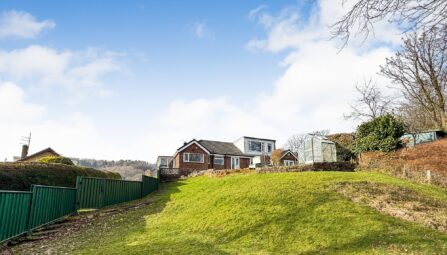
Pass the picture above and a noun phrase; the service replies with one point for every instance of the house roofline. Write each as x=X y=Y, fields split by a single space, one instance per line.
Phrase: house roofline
x=193 y=141
x=257 y=138
x=39 y=152
x=286 y=152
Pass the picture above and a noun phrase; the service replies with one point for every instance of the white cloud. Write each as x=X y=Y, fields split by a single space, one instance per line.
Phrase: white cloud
x=213 y=119
x=201 y=30
x=21 y=24
x=254 y=12
x=313 y=93
x=13 y=108
x=78 y=71
x=74 y=134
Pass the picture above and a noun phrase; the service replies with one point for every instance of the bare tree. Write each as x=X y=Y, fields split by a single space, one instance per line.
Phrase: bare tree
x=419 y=70
x=371 y=102
x=295 y=142
x=415 y=117
x=322 y=132
x=420 y=15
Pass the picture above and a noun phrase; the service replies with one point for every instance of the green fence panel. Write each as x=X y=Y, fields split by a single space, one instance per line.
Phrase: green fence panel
x=149 y=185
x=14 y=211
x=99 y=192
x=50 y=203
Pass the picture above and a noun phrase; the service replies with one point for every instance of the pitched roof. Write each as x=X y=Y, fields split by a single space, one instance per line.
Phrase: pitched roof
x=284 y=153
x=39 y=152
x=223 y=148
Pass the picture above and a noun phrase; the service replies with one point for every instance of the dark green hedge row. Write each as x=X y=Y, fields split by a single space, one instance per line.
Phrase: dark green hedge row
x=20 y=176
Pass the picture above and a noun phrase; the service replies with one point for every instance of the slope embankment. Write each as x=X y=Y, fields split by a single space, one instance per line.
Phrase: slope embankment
x=425 y=163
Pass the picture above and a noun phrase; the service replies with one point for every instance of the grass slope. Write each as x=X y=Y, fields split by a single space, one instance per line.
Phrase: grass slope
x=299 y=213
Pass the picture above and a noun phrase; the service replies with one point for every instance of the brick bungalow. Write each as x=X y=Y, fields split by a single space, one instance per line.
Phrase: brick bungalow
x=288 y=158
x=205 y=154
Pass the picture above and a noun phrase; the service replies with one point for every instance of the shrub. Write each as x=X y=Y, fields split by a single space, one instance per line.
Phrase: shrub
x=276 y=156
x=379 y=134
x=344 y=143
x=21 y=175
x=56 y=159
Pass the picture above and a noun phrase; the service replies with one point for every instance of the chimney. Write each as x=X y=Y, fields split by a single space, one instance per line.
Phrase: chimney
x=24 y=151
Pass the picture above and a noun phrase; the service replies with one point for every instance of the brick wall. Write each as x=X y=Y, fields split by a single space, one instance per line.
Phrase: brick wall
x=193 y=148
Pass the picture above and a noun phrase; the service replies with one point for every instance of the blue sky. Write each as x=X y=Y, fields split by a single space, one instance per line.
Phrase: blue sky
x=134 y=79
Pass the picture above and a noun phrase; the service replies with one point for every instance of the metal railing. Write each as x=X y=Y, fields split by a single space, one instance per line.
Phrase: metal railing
x=22 y=211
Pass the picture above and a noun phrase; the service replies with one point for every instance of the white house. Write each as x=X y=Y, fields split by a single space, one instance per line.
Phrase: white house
x=260 y=148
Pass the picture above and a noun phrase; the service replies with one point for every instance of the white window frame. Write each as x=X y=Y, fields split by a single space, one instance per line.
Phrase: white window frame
x=271 y=147
x=288 y=162
x=238 y=162
x=219 y=157
x=187 y=154
x=261 y=148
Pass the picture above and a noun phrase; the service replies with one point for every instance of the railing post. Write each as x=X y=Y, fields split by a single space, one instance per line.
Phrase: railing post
x=78 y=193
x=30 y=211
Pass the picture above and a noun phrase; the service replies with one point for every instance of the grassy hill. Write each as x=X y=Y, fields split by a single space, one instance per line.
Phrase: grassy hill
x=285 y=213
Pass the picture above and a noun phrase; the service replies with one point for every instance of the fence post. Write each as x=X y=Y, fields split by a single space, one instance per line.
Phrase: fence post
x=31 y=209
x=78 y=192
x=142 y=186
x=428 y=176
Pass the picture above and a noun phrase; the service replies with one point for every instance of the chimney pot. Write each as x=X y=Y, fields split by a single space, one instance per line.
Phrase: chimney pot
x=24 y=151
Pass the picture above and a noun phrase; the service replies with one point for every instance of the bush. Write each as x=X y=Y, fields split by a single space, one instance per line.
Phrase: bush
x=379 y=134
x=21 y=175
x=344 y=143
x=56 y=159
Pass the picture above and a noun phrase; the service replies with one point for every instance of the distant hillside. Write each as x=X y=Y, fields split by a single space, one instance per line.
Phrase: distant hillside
x=128 y=169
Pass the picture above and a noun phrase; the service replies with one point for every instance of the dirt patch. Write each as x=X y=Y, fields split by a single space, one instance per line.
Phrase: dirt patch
x=399 y=202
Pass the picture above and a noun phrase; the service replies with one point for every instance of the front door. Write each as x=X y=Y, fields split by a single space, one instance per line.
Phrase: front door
x=234 y=162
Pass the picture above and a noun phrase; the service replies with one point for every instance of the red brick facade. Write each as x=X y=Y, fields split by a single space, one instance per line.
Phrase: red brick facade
x=208 y=162
x=193 y=148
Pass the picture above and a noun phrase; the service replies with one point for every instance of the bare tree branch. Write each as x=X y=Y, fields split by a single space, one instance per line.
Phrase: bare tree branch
x=371 y=103
x=419 y=72
x=414 y=15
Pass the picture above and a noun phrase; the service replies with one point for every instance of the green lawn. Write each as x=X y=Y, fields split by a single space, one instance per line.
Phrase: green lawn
x=298 y=213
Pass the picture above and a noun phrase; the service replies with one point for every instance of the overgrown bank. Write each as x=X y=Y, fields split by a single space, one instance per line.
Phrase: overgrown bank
x=20 y=176
x=425 y=163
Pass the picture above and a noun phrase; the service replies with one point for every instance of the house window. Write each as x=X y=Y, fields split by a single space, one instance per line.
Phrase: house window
x=269 y=147
x=289 y=162
x=193 y=157
x=164 y=162
x=219 y=160
x=255 y=146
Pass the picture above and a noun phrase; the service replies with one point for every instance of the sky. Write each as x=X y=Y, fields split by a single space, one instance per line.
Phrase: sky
x=135 y=79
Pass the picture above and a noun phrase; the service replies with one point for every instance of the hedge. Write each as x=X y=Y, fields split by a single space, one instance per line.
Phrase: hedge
x=20 y=176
